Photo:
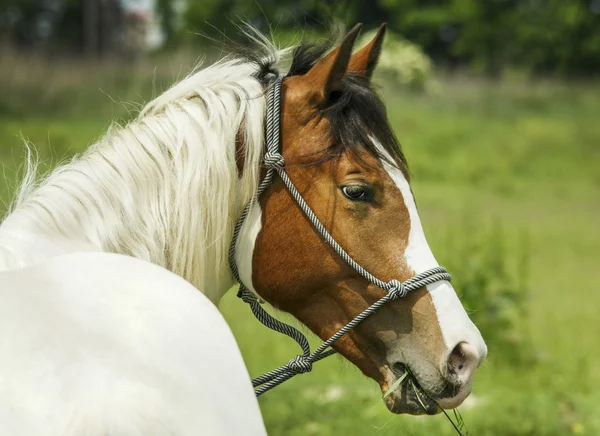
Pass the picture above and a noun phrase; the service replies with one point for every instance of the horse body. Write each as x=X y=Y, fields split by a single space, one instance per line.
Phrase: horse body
x=98 y=343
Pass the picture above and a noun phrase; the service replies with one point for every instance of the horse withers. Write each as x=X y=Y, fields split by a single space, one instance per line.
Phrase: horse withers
x=100 y=335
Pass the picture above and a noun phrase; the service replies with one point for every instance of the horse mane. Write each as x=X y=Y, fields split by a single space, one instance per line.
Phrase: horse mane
x=166 y=187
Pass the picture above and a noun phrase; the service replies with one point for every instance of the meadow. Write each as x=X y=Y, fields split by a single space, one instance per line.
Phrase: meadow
x=507 y=179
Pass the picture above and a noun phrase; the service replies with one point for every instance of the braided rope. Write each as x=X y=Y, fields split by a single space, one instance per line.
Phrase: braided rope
x=274 y=162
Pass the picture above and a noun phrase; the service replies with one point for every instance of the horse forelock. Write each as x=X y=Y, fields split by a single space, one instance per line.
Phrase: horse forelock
x=356 y=113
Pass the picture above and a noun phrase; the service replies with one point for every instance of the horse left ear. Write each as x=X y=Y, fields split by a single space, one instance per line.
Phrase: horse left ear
x=327 y=74
x=363 y=62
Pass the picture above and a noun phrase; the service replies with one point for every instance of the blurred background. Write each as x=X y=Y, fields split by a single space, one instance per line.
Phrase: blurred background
x=497 y=105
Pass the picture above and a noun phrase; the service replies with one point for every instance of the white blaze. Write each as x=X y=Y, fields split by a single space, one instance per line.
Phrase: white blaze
x=454 y=322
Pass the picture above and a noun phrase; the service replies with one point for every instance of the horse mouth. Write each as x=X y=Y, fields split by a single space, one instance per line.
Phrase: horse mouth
x=411 y=398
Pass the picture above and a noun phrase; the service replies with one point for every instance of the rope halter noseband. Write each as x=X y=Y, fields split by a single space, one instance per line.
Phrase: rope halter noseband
x=395 y=289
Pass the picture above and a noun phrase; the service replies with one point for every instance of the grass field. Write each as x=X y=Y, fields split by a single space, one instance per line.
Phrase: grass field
x=523 y=157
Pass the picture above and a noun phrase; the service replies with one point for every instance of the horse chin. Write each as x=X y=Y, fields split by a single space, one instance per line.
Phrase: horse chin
x=410 y=398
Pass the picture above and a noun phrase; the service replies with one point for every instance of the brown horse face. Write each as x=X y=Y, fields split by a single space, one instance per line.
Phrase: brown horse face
x=360 y=192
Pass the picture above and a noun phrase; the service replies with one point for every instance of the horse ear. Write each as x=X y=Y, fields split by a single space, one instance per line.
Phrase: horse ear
x=327 y=74
x=364 y=61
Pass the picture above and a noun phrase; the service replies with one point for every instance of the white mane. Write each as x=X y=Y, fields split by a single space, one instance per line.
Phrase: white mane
x=164 y=188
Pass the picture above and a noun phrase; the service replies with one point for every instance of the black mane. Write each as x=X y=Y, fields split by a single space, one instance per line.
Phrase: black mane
x=355 y=112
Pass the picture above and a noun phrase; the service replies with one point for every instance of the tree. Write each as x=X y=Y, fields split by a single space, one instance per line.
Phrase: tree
x=486 y=32
x=167 y=14
x=559 y=36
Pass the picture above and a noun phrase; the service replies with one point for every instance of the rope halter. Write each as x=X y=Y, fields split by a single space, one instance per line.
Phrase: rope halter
x=274 y=162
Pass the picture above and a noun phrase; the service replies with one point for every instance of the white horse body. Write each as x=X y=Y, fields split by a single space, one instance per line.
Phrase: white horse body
x=94 y=343
x=99 y=344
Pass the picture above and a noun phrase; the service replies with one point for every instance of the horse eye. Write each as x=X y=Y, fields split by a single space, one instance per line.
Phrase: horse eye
x=356 y=192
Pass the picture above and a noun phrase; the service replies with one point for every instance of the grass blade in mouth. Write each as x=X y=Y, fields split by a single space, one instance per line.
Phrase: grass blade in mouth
x=459 y=425
x=395 y=385
x=419 y=398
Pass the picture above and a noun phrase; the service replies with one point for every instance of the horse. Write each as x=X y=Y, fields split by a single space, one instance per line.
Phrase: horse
x=112 y=266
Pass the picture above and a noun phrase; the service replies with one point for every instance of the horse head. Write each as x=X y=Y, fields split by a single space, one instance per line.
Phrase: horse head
x=345 y=162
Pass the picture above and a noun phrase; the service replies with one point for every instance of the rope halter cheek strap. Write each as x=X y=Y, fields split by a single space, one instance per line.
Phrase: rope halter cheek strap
x=275 y=163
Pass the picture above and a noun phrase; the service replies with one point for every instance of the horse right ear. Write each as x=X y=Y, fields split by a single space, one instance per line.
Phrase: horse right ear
x=327 y=74
x=364 y=61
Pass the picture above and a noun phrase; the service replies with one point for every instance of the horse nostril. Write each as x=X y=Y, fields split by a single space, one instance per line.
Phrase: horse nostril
x=462 y=361
x=456 y=360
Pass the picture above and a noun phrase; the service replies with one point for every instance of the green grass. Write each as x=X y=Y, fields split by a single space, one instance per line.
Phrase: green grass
x=522 y=156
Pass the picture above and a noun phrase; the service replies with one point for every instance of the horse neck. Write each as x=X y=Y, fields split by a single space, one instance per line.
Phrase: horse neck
x=165 y=188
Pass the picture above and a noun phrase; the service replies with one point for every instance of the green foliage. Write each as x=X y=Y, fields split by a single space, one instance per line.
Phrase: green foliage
x=542 y=37
x=402 y=62
x=550 y=36
x=167 y=14
x=484 y=33
x=493 y=286
x=219 y=18
x=561 y=37
x=459 y=134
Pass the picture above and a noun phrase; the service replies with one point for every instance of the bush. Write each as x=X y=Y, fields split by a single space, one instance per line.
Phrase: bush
x=402 y=62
